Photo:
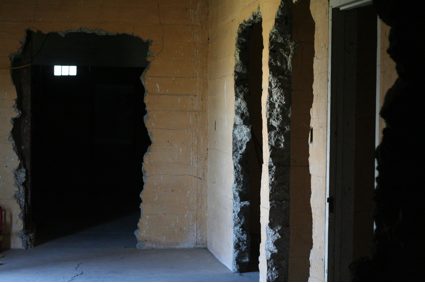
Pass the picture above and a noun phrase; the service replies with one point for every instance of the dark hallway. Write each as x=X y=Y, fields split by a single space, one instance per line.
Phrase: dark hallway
x=82 y=135
x=88 y=144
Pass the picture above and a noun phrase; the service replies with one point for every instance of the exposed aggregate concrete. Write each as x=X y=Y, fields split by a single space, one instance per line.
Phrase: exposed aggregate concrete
x=278 y=113
x=241 y=137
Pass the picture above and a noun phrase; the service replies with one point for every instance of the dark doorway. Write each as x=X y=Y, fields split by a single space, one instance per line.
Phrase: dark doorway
x=352 y=139
x=88 y=136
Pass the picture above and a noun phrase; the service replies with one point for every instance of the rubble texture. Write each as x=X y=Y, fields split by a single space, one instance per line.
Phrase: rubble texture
x=397 y=254
x=241 y=137
x=281 y=51
x=15 y=136
x=225 y=18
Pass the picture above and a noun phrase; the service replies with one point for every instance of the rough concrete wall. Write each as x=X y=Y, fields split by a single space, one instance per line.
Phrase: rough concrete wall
x=317 y=160
x=224 y=20
x=278 y=113
x=242 y=134
x=174 y=198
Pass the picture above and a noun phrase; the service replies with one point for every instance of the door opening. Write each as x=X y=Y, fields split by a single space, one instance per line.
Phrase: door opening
x=87 y=136
x=352 y=138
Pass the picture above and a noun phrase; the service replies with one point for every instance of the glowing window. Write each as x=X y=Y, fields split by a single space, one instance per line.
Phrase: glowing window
x=72 y=70
x=60 y=70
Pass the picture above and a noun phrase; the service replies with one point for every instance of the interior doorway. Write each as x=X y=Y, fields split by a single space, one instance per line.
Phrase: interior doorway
x=352 y=138
x=87 y=136
x=247 y=146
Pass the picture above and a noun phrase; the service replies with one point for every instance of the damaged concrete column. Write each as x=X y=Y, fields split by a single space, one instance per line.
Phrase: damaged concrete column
x=281 y=51
x=20 y=136
x=241 y=136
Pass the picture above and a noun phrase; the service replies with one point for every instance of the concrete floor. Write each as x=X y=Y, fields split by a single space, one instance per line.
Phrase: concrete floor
x=107 y=253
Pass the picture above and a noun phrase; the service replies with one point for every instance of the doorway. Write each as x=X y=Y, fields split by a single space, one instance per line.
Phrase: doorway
x=87 y=134
x=352 y=138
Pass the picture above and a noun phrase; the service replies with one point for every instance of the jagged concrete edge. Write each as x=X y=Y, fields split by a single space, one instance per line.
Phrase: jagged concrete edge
x=278 y=113
x=140 y=244
x=20 y=172
x=27 y=238
x=241 y=136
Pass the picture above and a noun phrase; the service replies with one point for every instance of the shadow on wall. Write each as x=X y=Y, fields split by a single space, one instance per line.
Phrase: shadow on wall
x=301 y=236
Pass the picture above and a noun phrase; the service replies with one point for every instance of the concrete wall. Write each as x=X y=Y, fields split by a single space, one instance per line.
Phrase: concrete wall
x=308 y=178
x=224 y=20
x=174 y=197
x=317 y=158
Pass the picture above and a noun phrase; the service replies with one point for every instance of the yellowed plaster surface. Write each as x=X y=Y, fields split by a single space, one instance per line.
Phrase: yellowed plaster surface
x=317 y=159
x=174 y=198
x=224 y=20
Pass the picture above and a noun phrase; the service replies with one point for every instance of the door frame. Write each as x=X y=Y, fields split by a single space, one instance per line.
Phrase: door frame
x=344 y=5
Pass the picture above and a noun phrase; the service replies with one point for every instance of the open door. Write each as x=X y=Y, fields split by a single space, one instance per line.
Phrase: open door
x=352 y=135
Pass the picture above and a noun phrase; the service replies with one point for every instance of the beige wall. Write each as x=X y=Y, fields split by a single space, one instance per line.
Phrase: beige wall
x=174 y=198
x=317 y=159
x=224 y=20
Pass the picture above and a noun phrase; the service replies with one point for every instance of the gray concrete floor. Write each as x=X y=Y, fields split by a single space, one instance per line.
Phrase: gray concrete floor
x=108 y=252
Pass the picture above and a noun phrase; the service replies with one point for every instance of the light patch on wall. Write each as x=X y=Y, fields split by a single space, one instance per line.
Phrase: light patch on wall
x=60 y=70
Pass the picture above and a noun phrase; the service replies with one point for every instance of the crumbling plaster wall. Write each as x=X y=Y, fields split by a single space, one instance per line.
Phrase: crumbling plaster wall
x=174 y=197
x=224 y=20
